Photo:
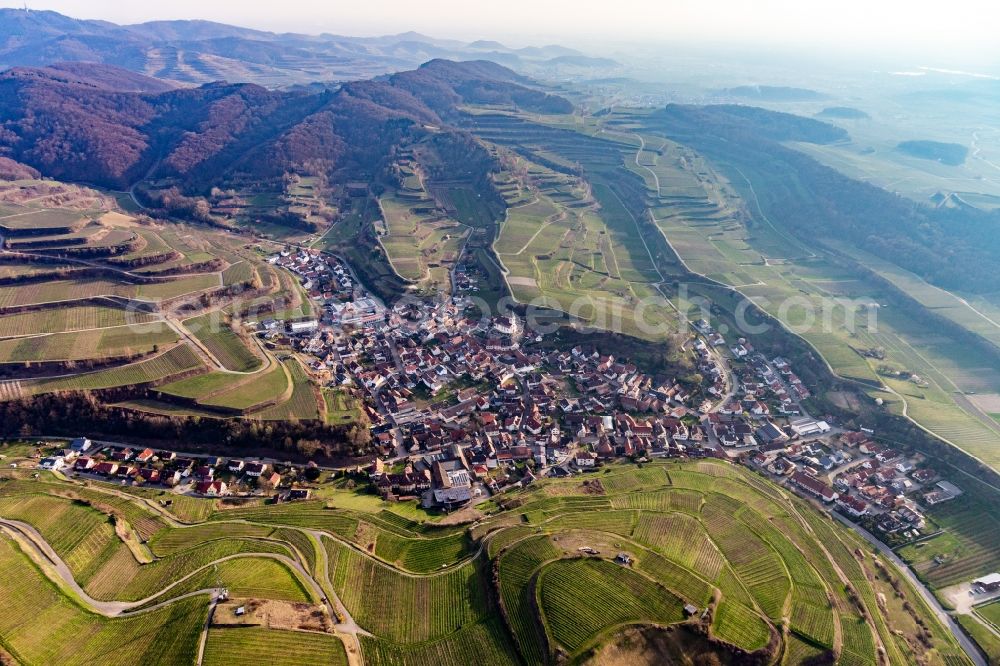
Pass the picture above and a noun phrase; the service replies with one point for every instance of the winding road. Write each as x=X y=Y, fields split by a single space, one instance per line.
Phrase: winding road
x=970 y=647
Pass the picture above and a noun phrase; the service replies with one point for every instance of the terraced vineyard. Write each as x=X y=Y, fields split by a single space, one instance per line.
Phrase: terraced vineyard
x=34 y=608
x=572 y=246
x=224 y=344
x=559 y=575
x=581 y=599
x=421 y=241
x=91 y=300
x=228 y=645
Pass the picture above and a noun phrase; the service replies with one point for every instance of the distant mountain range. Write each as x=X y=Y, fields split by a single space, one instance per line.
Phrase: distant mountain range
x=195 y=52
x=100 y=124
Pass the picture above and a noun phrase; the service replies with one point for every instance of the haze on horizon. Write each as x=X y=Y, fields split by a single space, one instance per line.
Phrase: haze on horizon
x=959 y=31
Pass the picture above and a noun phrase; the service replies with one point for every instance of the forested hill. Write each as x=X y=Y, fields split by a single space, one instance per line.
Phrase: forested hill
x=953 y=248
x=110 y=127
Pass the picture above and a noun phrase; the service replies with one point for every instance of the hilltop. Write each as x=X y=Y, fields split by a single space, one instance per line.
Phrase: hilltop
x=105 y=126
x=196 y=52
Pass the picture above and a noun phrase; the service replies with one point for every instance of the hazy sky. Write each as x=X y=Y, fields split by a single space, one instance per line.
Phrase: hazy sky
x=956 y=27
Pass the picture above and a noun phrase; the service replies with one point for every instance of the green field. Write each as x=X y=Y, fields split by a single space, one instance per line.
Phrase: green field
x=260 y=388
x=224 y=344
x=813 y=290
x=119 y=341
x=35 y=610
x=987 y=639
x=538 y=578
x=228 y=645
x=302 y=405
x=174 y=361
x=578 y=250
x=581 y=599
x=74 y=318
x=421 y=244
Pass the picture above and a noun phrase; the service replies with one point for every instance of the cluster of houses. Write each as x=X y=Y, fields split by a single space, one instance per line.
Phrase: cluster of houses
x=874 y=480
x=444 y=383
x=211 y=477
x=329 y=282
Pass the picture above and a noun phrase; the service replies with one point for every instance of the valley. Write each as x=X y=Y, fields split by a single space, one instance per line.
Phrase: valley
x=372 y=356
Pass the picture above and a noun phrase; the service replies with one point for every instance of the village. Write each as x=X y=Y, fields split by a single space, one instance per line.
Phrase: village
x=462 y=408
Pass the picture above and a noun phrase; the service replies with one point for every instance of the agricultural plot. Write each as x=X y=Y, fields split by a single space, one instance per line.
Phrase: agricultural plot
x=35 y=611
x=266 y=387
x=302 y=404
x=178 y=287
x=121 y=578
x=420 y=554
x=228 y=645
x=682 y=539
x=242 y=272
x=517 y=566
x=422 y=243
x=402 y=608
x=858 y=641
x=111 y=309
x=22 y=218
x=223 y=343
x=115 y=342
x=695 y=209
x=73 y=318
x=168 y=542
x=581 y=599
x=554 y=578
x=679 y=580
x=172 y=362
x=486 y=640
x=737 y=624
x=57 y=291
x=582 y=253
x=969 y=546
x=82 y=536
x=304 y=514
x=204 y=385
x=245 y=577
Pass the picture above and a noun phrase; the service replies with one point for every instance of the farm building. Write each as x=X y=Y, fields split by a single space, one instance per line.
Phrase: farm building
x=990 y=583
x=303 y=327
x=807 y=427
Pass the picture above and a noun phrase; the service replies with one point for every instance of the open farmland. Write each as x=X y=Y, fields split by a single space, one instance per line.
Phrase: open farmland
x=118 y=341
x=421 y=592
x=583 y=598
x=421 y=243
x=177 y=360
x=719 y=229
x=302 y=404
x=164 y=636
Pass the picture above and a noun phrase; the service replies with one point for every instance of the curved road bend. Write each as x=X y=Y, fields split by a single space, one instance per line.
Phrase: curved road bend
x=43 y=553
x=42 y=549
